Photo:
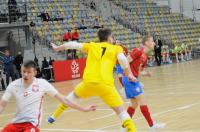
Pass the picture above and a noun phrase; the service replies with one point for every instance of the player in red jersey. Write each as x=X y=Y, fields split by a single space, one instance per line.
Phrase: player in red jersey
x=138 y=60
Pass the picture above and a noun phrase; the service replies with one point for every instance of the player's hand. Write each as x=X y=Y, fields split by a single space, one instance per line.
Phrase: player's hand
x=89 y=108
x=132 y=78
x=54 y=47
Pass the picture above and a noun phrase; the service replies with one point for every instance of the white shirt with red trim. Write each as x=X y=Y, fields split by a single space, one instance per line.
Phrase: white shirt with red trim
x=29 y=100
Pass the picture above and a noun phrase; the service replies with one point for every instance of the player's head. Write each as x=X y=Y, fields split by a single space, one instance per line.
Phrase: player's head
x=28 y=71
x=117 y=42
x=105 y=35
x=148 y=42
x=7 y=52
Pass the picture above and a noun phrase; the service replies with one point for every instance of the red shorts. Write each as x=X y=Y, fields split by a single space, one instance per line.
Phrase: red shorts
x=20 y=127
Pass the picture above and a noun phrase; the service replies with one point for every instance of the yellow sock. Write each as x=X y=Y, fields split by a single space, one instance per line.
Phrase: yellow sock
x=59 y=110
x=129 y=125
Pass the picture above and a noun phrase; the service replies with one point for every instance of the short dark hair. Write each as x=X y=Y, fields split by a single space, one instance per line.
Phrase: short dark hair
x=103 y=34
x=30 y=64
x=146 y=38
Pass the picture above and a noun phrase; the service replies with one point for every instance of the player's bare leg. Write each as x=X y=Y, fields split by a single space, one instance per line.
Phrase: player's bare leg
x=145 y=111
x=131 y=109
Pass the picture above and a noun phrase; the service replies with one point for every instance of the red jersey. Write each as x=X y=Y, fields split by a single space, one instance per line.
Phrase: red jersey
x=139 y=59
x=67 y=36
x=75 y=35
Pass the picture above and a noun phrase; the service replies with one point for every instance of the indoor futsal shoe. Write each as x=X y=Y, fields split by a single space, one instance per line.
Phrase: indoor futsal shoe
x=157 y=126
x=50 y=120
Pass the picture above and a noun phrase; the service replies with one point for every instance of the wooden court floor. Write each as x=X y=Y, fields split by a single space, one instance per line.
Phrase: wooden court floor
x=173 y=94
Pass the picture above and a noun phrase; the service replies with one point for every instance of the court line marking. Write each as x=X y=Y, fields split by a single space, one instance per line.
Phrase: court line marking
x=108 y=109
x=77 y=130
x=101 y=117
x=155 y=114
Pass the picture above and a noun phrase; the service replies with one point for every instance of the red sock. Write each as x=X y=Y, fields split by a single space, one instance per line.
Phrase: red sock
x=120 y=80
x=145 y=111
x=131 y=111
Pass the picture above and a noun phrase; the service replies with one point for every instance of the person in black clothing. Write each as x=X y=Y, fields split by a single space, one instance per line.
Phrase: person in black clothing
x=39 y=74
x=18 y=61
x=51 y=64
x=45 y=16
x=45 y=72
x=157 y=50
x=51 y=61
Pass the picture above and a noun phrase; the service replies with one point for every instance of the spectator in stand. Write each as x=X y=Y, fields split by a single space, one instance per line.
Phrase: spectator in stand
x=8 y=66
x=18 y=61
x=82 y=25
x=166 y=55
x=93 y=5
x=68 y=37
x=186 y=51
x=96 y=23
x=45 y=16
x=32 y=24
x=75 y=37
x=178 y=53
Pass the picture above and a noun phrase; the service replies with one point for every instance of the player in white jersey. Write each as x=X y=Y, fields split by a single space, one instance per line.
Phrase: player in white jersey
x=29 y=92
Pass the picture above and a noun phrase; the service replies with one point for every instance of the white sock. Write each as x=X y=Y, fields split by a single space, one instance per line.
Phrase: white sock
x=124 y=116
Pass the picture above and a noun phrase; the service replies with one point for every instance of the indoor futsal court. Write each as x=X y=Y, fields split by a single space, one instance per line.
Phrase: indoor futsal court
x=137 y=61
x=172 y=92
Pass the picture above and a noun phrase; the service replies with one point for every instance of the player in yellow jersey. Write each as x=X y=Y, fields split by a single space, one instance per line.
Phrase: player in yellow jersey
x=98 y=75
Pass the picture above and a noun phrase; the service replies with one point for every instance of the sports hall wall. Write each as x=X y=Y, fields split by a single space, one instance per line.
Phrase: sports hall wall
x=189 y=8
x=3 y=38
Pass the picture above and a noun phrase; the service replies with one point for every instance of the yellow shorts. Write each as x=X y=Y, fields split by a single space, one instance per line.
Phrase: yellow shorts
x=107 y=93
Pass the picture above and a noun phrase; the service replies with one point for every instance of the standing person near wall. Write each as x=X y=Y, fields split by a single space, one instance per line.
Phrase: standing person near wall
x=18 y=61
x=158 y=50
x=8 y=66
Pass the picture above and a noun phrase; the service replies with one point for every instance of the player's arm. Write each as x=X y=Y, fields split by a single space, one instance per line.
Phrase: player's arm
x=125 y=66
x=2 y=105
x=68 y=45
x=5 y=98
x=74 y=105
x=50 y=90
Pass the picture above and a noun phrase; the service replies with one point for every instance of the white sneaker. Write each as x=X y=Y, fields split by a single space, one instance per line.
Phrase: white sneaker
x=157 y=126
